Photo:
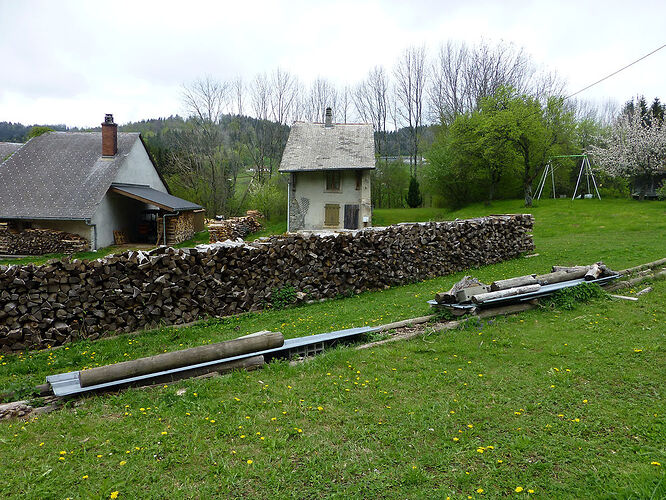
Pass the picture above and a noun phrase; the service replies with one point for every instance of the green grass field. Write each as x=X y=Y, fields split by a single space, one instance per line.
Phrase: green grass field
x=547 y=404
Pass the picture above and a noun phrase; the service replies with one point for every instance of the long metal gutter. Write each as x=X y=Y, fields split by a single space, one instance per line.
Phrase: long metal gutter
x=66 y=384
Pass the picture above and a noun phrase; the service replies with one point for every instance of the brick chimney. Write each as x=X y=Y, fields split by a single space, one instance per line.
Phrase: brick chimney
x=109 y=136
x=329 y=118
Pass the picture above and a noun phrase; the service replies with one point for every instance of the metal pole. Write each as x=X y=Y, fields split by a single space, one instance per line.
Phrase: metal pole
x=552 y=176
x=577 y=182
x=542 y=182
x=593 y=179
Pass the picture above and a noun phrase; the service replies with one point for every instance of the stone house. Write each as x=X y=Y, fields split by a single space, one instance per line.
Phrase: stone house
x=329 y=168
x=102 y=186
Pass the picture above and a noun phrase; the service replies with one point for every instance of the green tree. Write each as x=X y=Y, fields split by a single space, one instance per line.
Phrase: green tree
x=38 y=130
x=535 y=131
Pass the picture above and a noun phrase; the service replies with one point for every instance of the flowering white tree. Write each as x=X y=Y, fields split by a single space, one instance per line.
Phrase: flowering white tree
x=634 y=147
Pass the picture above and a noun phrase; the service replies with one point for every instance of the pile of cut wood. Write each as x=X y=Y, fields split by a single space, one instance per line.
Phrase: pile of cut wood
x=472 y=291
x=39 y=241
x=235 y=227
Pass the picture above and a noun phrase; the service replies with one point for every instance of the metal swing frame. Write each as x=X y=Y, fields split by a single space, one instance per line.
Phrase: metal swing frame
x=584 y=167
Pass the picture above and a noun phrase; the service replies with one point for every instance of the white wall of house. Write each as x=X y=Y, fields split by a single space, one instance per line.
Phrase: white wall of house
x=138 y=169
x=311 y=197
x=116 y=212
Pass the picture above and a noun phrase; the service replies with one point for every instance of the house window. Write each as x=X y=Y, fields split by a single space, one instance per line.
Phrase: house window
x=359 y=179
x=333 y=180
x=332 y=215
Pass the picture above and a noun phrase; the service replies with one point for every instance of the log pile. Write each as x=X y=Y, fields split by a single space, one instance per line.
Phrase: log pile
x=178 y=229
x=62 y=300
x=235 y=227
x=40 y=241
x=470 y=290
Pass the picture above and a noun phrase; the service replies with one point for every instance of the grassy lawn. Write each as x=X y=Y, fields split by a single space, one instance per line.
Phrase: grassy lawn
x=568 y=404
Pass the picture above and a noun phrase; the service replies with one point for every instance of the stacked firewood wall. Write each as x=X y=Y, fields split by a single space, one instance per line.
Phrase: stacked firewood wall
x=39 y=241
x=67 y=299
x=178 y=228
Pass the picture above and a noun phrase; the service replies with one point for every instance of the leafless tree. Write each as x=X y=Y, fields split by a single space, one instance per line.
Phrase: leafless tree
x=200 y=157
x=344 y=103
x=322 y=95
x=371 y=102
x=238 y=95
x=462 y=75
x=411 y=75
x=447 y=91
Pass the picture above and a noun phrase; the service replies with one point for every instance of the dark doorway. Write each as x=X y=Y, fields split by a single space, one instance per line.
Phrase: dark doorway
x=351 y=216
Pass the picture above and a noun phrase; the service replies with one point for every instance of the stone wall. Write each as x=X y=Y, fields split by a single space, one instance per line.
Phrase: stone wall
x=63 y=300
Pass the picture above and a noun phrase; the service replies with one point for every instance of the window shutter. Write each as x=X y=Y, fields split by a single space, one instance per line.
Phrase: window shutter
x=332 y=215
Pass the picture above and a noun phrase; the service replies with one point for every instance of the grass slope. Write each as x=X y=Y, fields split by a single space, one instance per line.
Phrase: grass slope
x=568 y=404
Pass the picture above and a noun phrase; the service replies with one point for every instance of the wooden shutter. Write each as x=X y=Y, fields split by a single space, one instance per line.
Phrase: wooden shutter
x=332 y=215
x=351 y=216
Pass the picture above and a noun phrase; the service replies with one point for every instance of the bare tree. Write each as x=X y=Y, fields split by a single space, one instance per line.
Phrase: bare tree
x=201 y=153
x=463 y=75
x=448 y=88
x=238 y=95
x=344 y=103
x=322 y=95
x=411 y=78
x=371 y=102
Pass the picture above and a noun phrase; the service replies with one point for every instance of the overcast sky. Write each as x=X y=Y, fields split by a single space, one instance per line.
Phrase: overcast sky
x=71 y=62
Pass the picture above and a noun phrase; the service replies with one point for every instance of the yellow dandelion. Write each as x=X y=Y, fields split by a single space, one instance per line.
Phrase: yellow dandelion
x=164 y=433
x=518 y=489
x=123 y=462
x=530 y=491
x=456 y=439
x=250 y=462
x=85 y=477
x=114 y=494
x=479 y=490
x=655 y=463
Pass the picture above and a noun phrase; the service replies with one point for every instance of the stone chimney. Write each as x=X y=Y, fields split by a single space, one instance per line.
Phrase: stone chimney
x=109 y=136
x=329 y=118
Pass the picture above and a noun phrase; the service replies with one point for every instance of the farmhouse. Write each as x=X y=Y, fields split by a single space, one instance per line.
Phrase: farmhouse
x=101 y=186
x=329 y=168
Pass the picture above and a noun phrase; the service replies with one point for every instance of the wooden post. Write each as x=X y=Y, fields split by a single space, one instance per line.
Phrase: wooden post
x=177 y=359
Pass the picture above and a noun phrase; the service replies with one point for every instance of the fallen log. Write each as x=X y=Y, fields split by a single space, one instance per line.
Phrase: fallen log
x=644 y=291
x=530 y=279
x=594 y=272
x=647 y=265
x=484 y=297
x=569 y=269
x=635 y=281
x=248 y=364
x=177 y=359
x=560 y=276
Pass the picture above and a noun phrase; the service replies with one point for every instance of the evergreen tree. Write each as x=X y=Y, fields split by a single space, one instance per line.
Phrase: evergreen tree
x=414 y=198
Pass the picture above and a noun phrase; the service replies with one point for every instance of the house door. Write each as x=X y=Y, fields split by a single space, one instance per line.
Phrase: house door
x=351 y=216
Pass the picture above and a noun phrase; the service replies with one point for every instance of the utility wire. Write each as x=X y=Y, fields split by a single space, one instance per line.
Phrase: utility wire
x=616 y=72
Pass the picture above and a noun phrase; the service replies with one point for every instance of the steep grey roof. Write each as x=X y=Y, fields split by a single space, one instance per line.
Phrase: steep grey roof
x=7 y=148
x=312 y=146
x=59 y=175
x=147 y=194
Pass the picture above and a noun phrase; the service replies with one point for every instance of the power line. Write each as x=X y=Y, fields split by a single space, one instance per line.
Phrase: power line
x=616 y=72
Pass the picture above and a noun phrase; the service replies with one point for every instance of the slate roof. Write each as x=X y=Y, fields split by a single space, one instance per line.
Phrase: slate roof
x=7 y=148
x=313 y=147
x=59 y=175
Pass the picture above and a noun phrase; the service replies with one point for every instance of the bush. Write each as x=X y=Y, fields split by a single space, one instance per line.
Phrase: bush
x=661 y=192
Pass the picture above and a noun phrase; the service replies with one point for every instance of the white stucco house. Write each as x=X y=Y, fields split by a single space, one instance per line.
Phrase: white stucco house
x=329 y=167
x=90 y=184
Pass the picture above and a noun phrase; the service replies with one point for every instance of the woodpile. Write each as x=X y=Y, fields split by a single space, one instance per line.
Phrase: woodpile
x=62 y=300
x=40 y=241
x=235 y=227
x=178 y=228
